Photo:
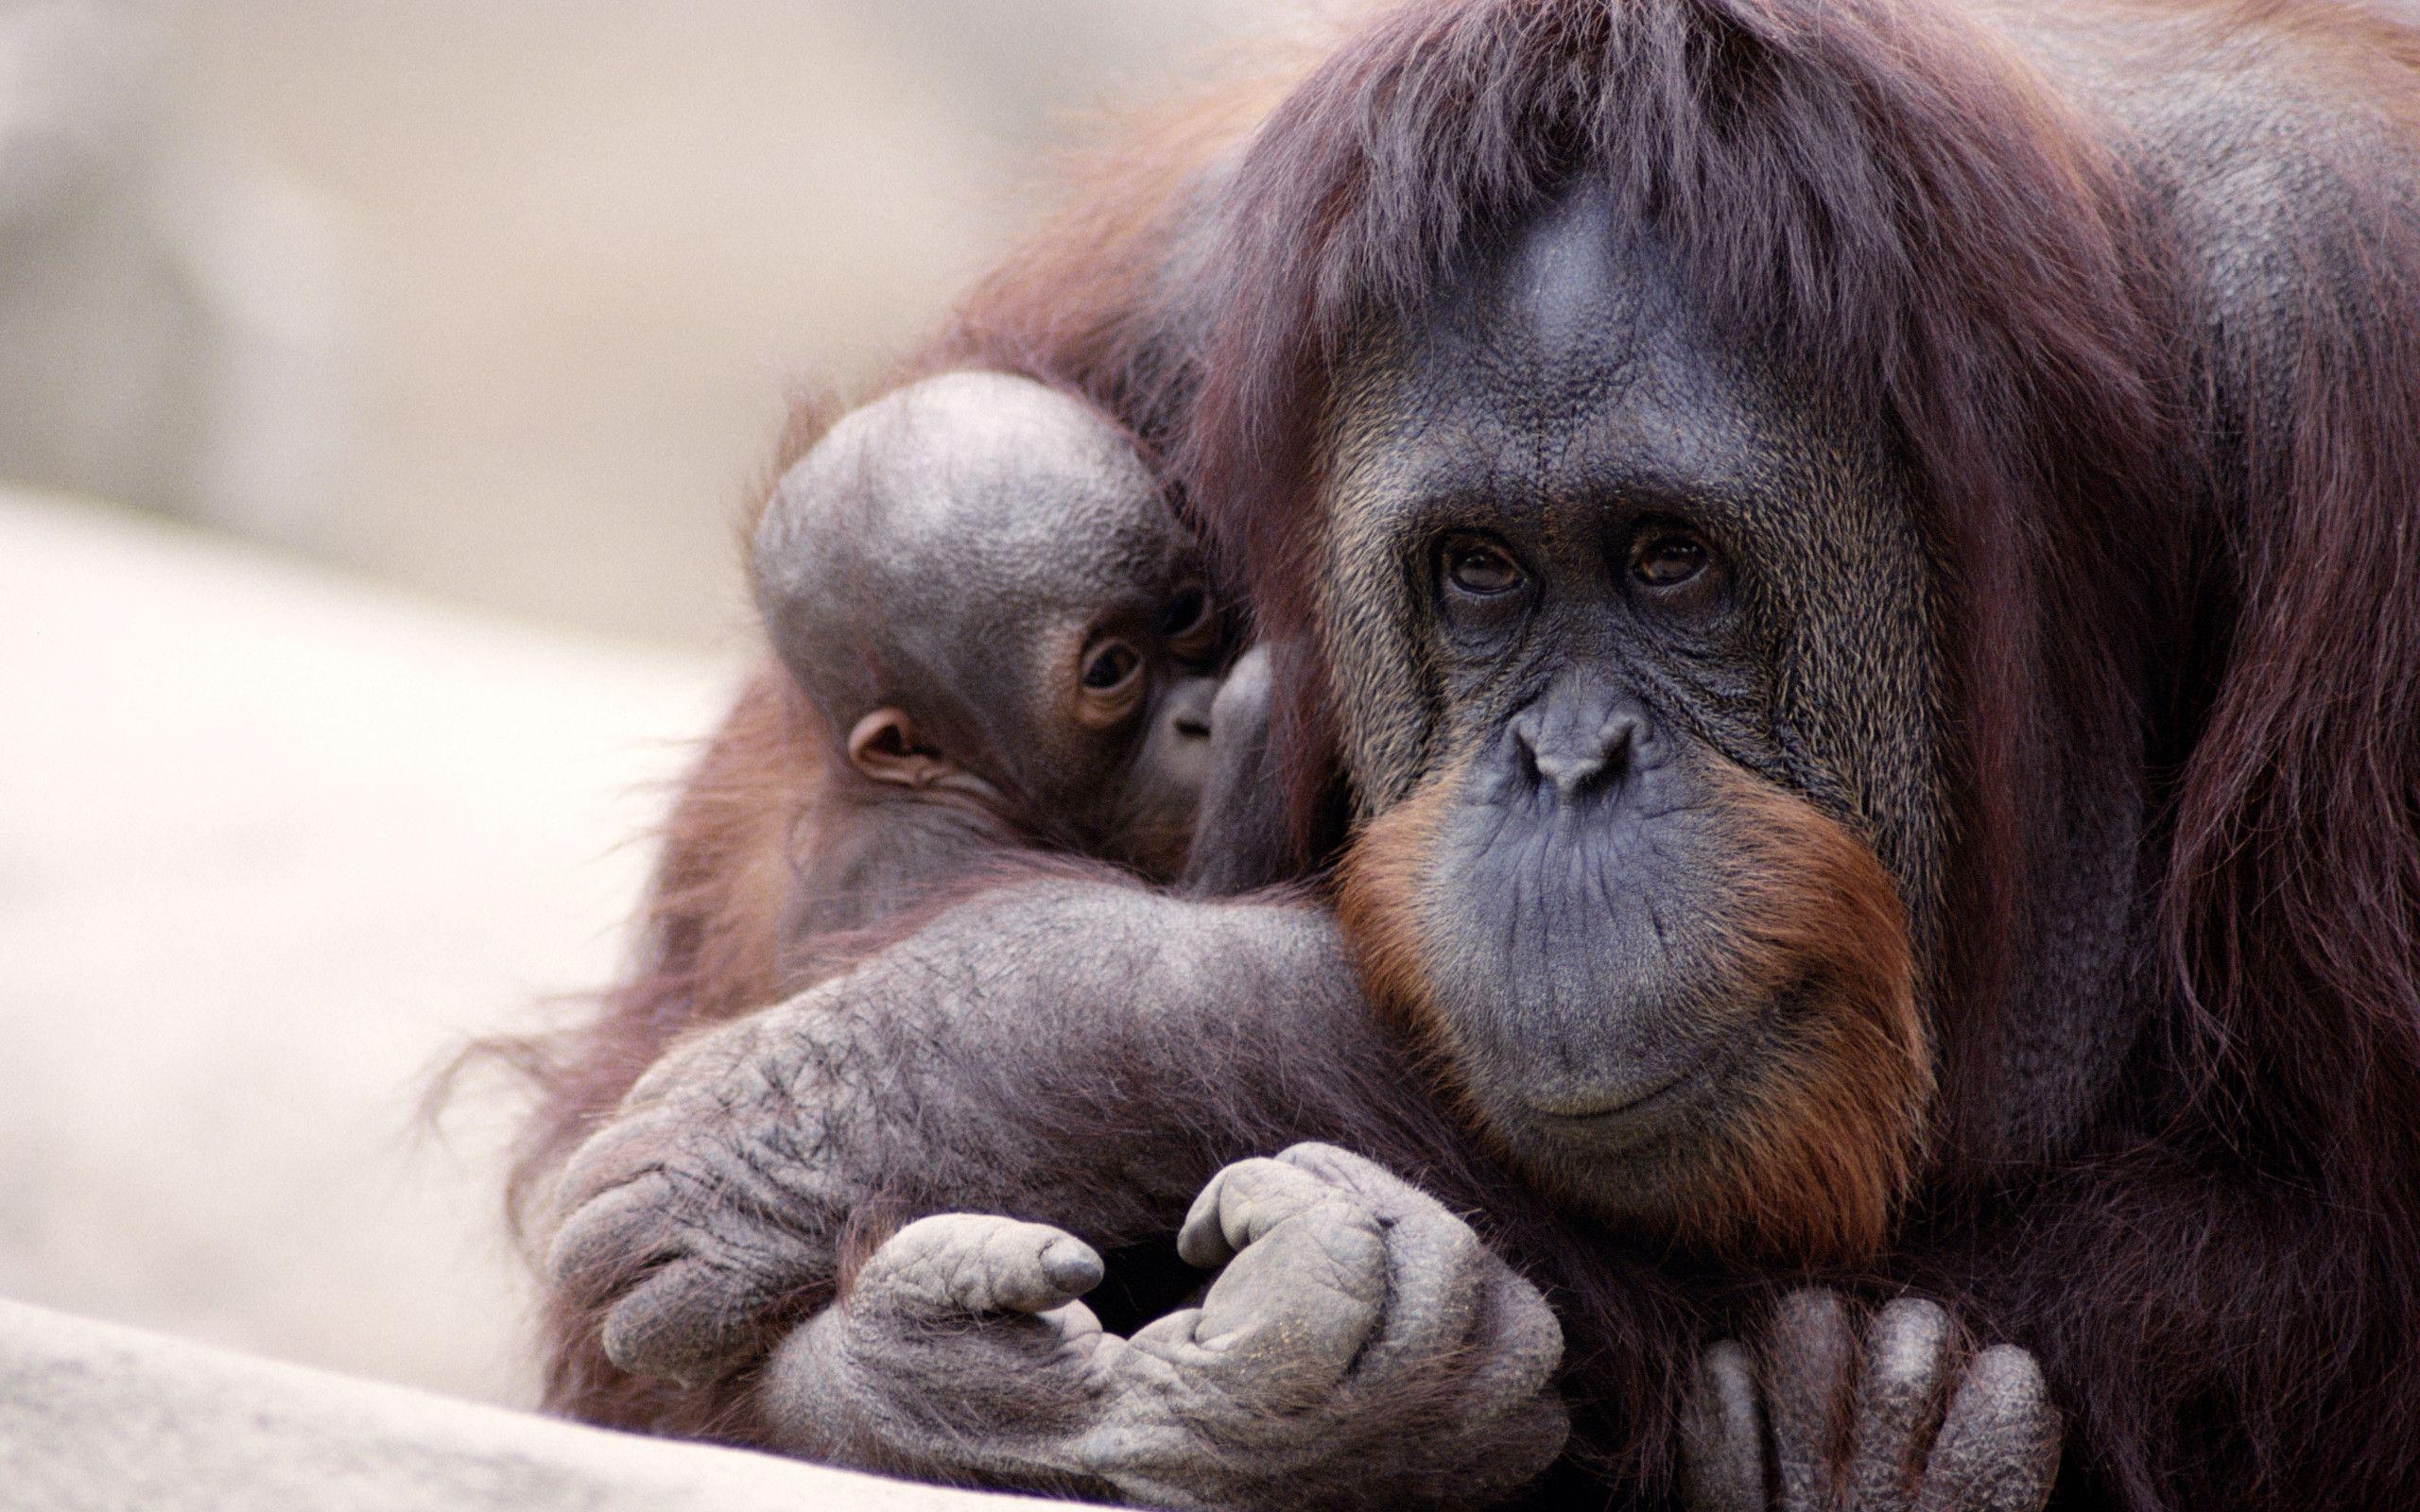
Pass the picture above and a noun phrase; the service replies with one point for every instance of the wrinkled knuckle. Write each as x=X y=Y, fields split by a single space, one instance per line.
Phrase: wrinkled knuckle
x=612 y=1239
x=639 y=1322
x=1910 y=1344
x=1262 y=1192
x=1814 y=1305
x=956 y=1280
x=919 y=1239
x=1009 y=1246
x=1349 y=1235
x=1347 y=1287
x=1365 y=1181
x=592 y=1267
x=926 y=1270
x=1530 y=1339
x=621 y=1153
x=1456 y=1243
x=1245 y=1178
x=945 y=1263
x=2011 y=1381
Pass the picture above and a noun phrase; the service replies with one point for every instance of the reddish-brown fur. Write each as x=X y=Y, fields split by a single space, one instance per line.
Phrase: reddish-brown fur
x=1827 y=1146
x=2223 y=1283
x=1073 y=308
x=2013 y=361
x=711 y=950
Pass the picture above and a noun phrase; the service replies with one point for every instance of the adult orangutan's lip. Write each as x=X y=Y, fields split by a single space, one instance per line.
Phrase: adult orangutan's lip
x=1642 y=1111
x=1696 y=1071
x=1598 y=1115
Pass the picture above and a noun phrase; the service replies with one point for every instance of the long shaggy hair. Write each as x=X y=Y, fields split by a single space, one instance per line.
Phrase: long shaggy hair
x=2158 y=534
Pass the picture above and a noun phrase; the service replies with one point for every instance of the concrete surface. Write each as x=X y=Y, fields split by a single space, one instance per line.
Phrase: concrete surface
x=96 y=1418
x=272 y=844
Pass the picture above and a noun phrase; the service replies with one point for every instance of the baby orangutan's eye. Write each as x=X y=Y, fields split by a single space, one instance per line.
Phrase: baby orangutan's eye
x=1186 y=612
x=1190 y=626
x=1110 y=666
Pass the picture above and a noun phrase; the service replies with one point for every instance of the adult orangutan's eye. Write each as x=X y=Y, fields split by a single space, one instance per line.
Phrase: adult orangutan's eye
x=1668 y=559
x=1476 y=566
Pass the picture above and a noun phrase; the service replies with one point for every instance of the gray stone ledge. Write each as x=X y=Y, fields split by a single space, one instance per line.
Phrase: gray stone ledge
x=95 y=1418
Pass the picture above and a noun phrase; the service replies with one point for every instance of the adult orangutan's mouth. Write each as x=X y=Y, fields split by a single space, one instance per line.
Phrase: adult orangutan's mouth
x=1635 y=1119
x=1627 y=1106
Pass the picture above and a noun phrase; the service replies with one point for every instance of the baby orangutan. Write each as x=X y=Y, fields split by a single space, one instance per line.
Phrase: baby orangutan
x=976 y=585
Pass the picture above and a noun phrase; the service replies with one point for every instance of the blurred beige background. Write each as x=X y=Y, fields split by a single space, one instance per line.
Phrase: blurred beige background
x=532 y=279
x=380 y=385
x=598 y=239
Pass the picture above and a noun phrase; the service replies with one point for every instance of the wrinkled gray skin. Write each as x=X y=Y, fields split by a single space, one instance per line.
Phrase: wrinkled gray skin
x=1350 y=1308
x=951 y=549
x=1373 y=1353
x=937 y=1074
x=1929 y=1426
x=1339 y=1287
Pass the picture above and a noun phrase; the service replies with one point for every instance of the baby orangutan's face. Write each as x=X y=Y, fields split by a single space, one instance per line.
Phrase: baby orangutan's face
x=978 y=580
x=1139 y=693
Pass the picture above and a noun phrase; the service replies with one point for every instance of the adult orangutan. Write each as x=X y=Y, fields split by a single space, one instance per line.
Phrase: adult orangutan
x=1847 y=593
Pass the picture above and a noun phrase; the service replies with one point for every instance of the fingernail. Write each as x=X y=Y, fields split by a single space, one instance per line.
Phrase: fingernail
x=1071 y=1266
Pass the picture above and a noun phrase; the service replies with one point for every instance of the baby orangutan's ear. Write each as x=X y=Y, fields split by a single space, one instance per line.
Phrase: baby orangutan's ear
x=885 y=747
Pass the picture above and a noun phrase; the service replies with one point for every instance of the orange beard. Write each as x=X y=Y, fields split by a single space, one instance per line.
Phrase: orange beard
x=1824 y=1134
